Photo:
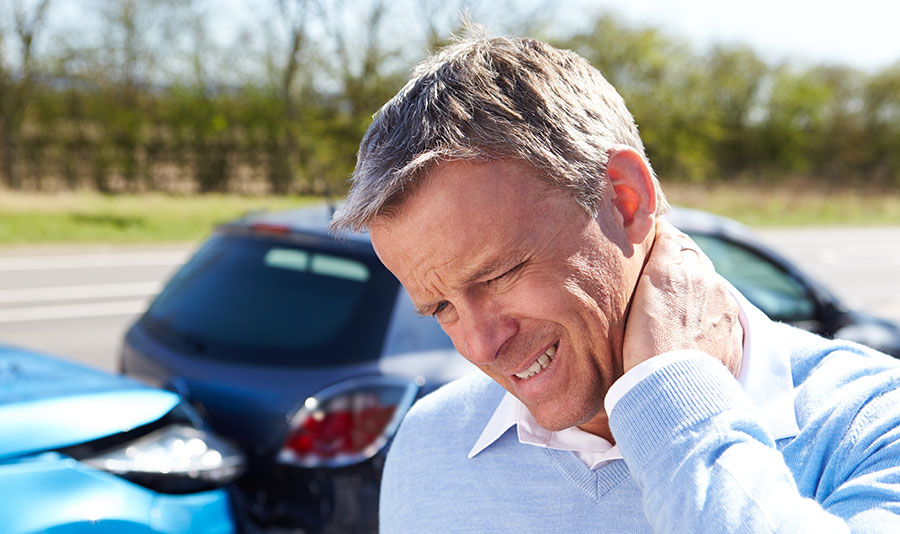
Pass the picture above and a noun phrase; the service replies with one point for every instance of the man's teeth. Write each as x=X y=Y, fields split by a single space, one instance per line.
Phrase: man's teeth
x=540 y=364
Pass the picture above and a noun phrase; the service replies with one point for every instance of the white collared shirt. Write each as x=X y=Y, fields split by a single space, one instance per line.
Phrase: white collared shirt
x=765 y=377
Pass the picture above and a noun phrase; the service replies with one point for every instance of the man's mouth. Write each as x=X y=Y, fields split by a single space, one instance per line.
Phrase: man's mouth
x=539 y=364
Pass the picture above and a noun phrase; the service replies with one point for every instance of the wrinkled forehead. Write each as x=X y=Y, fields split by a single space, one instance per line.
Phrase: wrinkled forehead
x=501 y=187
x=463 y=211
x=435 y=174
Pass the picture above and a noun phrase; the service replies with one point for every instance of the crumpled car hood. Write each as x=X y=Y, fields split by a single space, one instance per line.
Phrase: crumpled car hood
x=47 y=403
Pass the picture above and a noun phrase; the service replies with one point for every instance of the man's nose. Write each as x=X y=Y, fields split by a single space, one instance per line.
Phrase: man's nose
x=484 y=330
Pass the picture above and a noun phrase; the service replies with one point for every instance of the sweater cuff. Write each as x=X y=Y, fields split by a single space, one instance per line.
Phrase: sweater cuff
x=689 y=389
x=626 y=382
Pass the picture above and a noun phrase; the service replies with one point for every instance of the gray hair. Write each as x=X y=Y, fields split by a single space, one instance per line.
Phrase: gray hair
x=483 y=99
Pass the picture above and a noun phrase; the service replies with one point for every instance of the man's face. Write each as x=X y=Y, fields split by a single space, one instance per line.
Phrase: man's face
x=528 y=286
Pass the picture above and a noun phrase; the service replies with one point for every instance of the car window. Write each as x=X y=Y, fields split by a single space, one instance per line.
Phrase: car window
x=769 y=287
x=251 y=299
x=408 y=332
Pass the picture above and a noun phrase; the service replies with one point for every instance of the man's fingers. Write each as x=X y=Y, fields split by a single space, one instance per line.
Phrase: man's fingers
x=689 y=248
x=674 y=246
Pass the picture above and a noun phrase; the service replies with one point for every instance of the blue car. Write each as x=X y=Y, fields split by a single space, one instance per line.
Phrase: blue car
x=86 y=451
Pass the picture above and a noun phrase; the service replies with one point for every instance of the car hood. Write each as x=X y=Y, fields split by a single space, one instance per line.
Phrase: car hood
x=47 y=403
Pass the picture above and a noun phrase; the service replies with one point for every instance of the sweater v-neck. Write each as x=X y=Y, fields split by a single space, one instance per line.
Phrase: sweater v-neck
x=597 y=483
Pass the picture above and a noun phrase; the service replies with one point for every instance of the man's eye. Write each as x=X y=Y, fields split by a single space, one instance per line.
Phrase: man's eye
x=441 y=306
x=507 y=273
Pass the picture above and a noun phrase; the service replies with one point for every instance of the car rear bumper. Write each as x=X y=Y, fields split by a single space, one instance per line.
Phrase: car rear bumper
x=280 y=498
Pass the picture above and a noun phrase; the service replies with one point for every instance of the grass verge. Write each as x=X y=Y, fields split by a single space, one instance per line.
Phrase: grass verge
x=791 y=205
x=88 y=217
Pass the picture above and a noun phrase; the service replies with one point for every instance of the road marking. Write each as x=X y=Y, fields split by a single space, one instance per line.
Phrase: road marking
x=92 y=261
x=72 y=311
x=90 y=291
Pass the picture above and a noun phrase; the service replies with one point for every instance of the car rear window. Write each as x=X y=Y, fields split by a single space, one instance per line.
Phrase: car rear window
x=251 y=299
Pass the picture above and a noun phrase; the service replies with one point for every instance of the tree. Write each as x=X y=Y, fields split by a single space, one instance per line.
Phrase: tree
x=664 y=87
x=17 y=90
x=881 y=118
x=285 y=156
x=735 y=81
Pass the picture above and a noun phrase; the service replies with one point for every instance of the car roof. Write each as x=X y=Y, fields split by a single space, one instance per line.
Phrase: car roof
x=309 y=220
x=691 y=220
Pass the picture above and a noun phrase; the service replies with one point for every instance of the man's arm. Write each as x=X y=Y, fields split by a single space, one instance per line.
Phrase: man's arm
x=706 y=463
x=703 y=459
x=700 y=450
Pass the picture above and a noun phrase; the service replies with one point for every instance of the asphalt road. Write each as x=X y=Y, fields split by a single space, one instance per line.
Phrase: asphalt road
x=860 y=265
x=77 y=302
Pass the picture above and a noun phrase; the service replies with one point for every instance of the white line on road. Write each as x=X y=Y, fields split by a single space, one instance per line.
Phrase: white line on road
x=89 y=291
x=71 y=311
x=840 y=257
x=92 y=261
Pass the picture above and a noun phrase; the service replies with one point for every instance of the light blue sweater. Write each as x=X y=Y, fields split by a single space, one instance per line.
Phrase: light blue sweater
x=698 y=459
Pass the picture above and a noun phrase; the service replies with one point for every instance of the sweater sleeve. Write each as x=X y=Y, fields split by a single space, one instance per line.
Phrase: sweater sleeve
x=705 y=462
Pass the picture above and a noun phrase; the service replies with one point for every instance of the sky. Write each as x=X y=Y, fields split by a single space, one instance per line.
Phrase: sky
x=860 y=33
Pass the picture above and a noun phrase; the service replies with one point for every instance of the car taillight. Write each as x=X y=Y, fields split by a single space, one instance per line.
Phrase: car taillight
x=348 y=422
x=270 y=228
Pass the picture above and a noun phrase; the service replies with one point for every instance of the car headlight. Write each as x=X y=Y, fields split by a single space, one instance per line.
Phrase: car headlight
x=177 y=458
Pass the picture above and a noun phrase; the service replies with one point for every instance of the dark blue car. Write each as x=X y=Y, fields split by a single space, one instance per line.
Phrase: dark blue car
x=306 y=351
x=302 y=348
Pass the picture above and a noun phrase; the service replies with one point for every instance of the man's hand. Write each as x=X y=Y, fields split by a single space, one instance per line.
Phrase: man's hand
x=681 y=303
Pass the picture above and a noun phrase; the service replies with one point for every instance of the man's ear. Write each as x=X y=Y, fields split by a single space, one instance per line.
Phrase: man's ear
x=633 y=193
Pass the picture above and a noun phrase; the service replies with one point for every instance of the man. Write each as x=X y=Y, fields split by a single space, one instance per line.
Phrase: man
x=625 y=386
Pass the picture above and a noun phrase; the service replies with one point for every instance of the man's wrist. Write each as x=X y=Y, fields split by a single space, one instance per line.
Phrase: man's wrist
x=640 y=371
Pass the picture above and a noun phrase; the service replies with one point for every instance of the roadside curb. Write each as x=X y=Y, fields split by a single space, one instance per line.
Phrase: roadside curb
x=57 y=249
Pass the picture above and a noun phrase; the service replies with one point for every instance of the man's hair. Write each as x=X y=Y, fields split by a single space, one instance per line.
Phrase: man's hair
x=483 y=99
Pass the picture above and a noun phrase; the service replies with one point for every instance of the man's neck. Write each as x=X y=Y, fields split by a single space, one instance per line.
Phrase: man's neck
x=599 y=426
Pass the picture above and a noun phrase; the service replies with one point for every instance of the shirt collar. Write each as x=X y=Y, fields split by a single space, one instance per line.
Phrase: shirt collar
x=593 y=450
x=765 y=377
x=766 y=371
